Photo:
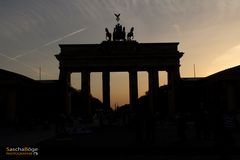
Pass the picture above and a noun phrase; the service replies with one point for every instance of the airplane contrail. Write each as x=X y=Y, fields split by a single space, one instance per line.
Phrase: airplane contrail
x=13 y=59
x=68 y=35
x=34 y=69
x=35 y=49
x=49 y=43
x=4 y=55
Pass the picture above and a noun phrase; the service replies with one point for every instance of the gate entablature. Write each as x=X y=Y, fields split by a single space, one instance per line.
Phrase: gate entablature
x=119 y=56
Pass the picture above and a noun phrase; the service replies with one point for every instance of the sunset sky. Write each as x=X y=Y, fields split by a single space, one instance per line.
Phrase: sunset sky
x=30 y=31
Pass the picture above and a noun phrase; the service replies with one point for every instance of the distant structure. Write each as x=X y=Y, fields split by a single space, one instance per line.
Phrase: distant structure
x=23 y=99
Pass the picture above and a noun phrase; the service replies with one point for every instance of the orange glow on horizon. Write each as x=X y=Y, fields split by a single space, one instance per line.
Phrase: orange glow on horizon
x=119 y=85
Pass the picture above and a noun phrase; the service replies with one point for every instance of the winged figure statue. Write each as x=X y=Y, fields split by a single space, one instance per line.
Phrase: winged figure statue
x=117 y=16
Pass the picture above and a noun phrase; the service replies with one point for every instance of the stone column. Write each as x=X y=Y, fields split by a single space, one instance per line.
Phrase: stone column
x=106 y=89
x=86 y=92
x=153 y=89
x=133 y=88
x=65 y=83
x=171 y=95
x=153 y=104
x=173 y=79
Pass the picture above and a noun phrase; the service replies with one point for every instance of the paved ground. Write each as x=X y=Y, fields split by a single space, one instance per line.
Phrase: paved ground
x=12 y=137
x=120 y=143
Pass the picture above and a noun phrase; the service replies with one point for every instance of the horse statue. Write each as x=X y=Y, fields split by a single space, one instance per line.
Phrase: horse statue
x=108 y=35
x=130 y=35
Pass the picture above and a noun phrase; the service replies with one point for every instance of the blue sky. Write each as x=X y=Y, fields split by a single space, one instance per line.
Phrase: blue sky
x=30 y=31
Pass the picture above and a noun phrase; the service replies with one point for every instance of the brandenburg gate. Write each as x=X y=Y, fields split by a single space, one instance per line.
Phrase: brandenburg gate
x=118 y=56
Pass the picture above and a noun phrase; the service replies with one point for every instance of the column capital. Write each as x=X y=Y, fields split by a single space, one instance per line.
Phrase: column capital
x=86 y=71
x=153 y=70
x=132 y=70
x=64 y=75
